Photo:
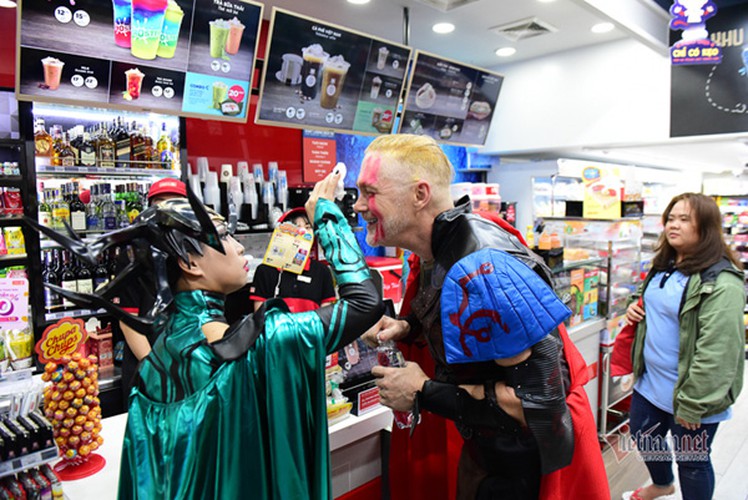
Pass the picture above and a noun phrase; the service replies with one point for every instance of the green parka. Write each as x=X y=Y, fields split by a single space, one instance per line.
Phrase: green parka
x=712 y=342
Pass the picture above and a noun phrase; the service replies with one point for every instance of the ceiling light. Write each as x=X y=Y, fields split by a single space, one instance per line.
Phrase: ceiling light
x=506 y=51
x=546 y=1
x=443 y=28
x=9 y=4
x=602 y=28
x=358 y=2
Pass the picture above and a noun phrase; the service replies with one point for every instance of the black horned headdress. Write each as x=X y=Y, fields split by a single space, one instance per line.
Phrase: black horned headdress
x=173 y=228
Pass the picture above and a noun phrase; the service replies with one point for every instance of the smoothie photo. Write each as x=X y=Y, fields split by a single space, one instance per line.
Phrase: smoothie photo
x=220 y=94
x=167 y=44
x=52 y=72
x=122 y=22
x=134 y=82
x=234 y=38
x=219 y=34
x=147 y=22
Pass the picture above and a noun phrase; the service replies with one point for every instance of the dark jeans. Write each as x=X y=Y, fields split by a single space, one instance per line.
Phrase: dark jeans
x=649 y=427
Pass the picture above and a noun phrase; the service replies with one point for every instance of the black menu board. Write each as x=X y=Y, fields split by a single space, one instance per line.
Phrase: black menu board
x=450 y=101
x=318 y=75
x=183 y=57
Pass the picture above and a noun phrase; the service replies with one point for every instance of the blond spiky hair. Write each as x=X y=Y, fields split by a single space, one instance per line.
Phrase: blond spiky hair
x=419 y=157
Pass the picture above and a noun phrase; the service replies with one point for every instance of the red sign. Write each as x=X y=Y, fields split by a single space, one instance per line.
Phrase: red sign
x=368 y=400
x=319 y=155
x=61 y=339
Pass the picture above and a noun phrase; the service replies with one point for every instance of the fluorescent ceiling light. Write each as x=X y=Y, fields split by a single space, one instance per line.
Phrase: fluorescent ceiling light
x=602 y=28
x=443 y=28
x=8 y=4
x=546 y=1
x=358 y=2
x=506 y=51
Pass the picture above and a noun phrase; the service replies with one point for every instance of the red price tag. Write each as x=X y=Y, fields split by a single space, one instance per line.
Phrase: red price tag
x=236 y=93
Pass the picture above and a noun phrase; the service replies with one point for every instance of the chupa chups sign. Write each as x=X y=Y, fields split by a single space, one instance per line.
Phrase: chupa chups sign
x=61 y=339
x=694 y=47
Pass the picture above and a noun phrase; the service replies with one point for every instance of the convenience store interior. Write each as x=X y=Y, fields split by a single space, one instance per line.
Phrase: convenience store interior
x=568 y=94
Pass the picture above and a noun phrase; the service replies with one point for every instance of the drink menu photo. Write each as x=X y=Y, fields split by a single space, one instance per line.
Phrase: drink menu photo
x=185 y=57
x=450 y=101
x=319 y=75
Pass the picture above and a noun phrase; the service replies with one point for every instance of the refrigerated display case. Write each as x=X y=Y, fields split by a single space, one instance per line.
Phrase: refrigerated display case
x=618 y=244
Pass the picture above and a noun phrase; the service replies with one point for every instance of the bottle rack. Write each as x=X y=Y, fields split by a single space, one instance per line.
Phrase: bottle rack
x=34 y=169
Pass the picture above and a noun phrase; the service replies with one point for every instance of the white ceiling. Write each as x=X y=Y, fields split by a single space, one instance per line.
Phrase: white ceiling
x=474 y=43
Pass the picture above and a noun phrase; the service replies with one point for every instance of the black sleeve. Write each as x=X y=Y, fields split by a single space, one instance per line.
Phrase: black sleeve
x=263 y=283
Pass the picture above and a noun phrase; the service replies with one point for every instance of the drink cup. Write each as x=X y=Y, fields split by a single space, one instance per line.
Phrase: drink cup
x=291 y=69
x=333 y=78
x=122 y=22
x=134 y=82
x=167 y=44
x=376 y=84
x=234 y=37
x=220 y=94
x=313 y=58
x=384 y=52
x=376 y=116
x=219 y=33
x=52 y=72
x=148 y=18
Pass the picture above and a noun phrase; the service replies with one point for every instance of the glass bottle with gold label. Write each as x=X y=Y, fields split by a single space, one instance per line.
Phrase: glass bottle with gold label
x=42 y=140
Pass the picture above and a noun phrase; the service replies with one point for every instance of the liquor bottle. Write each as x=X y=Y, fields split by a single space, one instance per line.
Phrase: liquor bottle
x=84 y=278
x=150 y=148
x=138 y=147
x=93 y=223
x=68 y=279
x=122 y=219
x=164 y=147
x=122 y=139
x=45 y=212
x=52 y=301
x=134 y=204
x=57 y=146
x=100 y=273
x=60 y=212
x=87 y=151
x=77 y=210
x=75 y=136
x=42 y=140
x=107 y=210
x=106 y=149
x=66 y=154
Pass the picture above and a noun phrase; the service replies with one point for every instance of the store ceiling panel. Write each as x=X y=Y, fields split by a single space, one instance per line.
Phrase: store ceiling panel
x=474 y=40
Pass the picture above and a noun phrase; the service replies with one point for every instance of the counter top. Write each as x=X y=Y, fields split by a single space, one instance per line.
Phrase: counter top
x=103 y=484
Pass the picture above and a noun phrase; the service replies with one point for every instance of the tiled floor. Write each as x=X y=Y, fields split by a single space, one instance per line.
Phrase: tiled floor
x=729 y=457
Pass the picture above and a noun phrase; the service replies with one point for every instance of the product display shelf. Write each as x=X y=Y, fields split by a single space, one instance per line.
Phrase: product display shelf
x=48 y=170
x=12 y=150
x=618 y=243
x=29 y=461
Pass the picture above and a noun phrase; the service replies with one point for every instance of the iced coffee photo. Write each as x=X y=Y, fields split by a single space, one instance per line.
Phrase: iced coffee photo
x=52 y=72
x=313 y=57
x=61 y=76
x=333 y=78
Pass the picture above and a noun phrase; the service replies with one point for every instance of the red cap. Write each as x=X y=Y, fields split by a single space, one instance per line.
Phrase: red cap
x=167 y=186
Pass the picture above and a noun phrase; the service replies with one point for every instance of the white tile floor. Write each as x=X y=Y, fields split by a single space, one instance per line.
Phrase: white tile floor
x=729 y=457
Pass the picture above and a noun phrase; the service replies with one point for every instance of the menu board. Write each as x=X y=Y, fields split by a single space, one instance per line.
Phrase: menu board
x=318 y=75
x=450 y=101
x=184 y=57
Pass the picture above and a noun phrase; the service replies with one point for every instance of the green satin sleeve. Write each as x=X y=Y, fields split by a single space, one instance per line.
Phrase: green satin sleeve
x=339 y=244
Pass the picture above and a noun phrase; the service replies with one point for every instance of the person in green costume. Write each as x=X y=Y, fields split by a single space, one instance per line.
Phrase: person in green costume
x=238 y=411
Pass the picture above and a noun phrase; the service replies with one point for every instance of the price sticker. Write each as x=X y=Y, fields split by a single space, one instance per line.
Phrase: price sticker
x=236 y=93
x=81 y=18
x=63 y=15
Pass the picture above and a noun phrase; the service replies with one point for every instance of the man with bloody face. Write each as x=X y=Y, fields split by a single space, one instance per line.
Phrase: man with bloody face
x=505 y=370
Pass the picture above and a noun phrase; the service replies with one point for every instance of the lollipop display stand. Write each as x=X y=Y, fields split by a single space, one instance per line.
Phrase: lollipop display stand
x=71 y=403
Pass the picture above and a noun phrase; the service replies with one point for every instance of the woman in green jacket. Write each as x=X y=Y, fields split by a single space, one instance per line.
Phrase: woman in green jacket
x=688 y=351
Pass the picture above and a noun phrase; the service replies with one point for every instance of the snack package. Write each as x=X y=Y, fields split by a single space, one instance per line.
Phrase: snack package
x=12 y=201
x=14 y=242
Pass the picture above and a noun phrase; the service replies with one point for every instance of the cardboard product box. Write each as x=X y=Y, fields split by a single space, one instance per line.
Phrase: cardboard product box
x=591 y=282
x=576 y=289
x=357 y=359
x=99 y=344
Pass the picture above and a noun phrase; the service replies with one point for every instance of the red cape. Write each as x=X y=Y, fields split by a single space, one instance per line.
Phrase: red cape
x=425 y=466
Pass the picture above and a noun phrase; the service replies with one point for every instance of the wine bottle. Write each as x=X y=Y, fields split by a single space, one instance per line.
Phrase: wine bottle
x=68 y=279
x=77 y=210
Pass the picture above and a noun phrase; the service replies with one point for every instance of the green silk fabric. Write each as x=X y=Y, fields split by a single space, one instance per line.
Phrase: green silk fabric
x=256 y=427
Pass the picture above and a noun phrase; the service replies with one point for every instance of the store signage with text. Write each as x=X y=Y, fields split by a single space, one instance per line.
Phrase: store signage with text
x=319 y=155
x=61 y=339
